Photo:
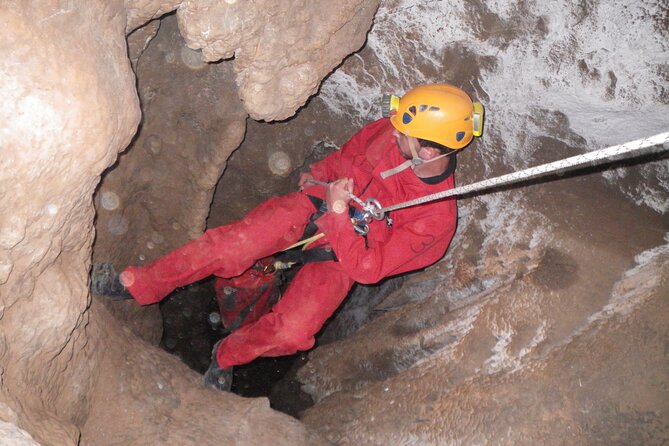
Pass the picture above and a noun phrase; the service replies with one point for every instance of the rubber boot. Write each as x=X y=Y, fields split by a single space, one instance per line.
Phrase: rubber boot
x=105 y=282
x=216 y=377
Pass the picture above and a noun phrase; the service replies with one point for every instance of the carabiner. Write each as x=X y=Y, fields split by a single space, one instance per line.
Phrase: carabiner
x=373 y=209
x=361 y=230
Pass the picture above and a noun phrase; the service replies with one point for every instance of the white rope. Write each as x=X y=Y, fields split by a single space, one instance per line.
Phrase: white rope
x=532 y=172
x=350 y=195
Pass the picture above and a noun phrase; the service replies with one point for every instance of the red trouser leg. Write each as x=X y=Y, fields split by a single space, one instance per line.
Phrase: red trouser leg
x=311 y=298
x=225 y=251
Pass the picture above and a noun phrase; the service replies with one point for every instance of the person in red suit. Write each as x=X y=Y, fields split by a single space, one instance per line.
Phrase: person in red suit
x=408 y=155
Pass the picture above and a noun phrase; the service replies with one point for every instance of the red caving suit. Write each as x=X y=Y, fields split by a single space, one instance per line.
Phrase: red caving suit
x=418 y=237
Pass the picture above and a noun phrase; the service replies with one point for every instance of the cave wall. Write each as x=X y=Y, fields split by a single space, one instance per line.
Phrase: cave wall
x=282 y=49
x=70 y=373
x=157 y=196
x=489 y=373
x=549 y=294
x=69 y=106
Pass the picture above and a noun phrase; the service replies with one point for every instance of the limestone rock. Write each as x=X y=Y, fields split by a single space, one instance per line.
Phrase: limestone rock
x=513 y=303
x=68 y=107
x=142 y=11
x=139 y=39
x=145 y=396
x=282 y=49
x=546 y=322
x=12 y=435
x=159 y=195
x=601 y=383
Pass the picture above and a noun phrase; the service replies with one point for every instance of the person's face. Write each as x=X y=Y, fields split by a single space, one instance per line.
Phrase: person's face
x=403 y=142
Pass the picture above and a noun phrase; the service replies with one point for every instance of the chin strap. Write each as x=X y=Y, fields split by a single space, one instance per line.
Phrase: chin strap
x=414 y=161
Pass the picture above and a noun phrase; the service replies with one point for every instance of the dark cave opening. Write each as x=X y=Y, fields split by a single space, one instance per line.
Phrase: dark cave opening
x=189 y=334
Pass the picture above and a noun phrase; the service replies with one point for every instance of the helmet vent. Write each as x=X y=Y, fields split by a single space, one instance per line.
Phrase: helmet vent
x=459 y=136
x=406 y=118
x=422 y=108
x=434 y=109
x=412 y=110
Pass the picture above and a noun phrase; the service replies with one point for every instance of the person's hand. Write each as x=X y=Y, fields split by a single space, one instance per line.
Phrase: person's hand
x=337 y=195
x=304 y=177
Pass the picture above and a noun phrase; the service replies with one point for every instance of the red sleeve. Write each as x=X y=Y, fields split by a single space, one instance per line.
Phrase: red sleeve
x=417 y=243
x=338 y=164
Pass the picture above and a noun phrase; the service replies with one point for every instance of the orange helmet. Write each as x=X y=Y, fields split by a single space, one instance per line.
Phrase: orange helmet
x=439 y=113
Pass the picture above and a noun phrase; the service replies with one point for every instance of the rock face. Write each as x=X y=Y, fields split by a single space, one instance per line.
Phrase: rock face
x=159 y=195
x=489 y=345
x=546 y=323
x=146 y=396
x=69 y=373
x=282 y=49
x=11 y=434
x=541 y=350
x=141 y=11
x=68 y=107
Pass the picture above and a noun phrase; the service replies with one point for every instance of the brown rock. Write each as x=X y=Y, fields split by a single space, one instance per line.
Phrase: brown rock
x=141 y=11
x=158 y=196
x=545 y=324
x=68 y=107
x=282 y=49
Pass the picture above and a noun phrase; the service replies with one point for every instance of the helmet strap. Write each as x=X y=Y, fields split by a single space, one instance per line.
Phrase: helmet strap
x=413 y=162
x=414 y=146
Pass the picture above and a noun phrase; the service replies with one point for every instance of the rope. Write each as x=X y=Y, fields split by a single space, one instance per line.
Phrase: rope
x=532 y=172
x=305 y=242
x=350 y=195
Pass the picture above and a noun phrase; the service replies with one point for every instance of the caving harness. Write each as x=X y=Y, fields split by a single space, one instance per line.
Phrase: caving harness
x=359 y=217
x=293 y=256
